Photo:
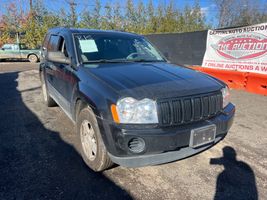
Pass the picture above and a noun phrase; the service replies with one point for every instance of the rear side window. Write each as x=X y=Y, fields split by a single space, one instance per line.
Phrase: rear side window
x=53 y=44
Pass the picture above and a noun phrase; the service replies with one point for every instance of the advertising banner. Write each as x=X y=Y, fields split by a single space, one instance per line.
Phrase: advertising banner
x=242 y=49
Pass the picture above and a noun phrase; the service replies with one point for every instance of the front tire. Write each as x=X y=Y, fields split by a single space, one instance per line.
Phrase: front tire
x=91 y=145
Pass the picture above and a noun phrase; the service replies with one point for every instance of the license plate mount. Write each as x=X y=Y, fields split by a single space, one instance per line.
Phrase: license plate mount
x=203 y=135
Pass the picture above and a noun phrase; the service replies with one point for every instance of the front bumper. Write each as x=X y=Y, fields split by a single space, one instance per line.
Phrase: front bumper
x=162 y=145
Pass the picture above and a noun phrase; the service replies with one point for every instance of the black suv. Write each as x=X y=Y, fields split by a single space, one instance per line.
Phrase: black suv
x=130 y=105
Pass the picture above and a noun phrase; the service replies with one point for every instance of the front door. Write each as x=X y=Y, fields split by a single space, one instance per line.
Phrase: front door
x=60 y=79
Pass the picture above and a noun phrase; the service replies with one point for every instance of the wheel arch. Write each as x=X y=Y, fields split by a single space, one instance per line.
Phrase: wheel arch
x=81 y=101
x=32 y=53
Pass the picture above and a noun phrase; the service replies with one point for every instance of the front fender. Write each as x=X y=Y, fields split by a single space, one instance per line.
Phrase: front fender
x=94 y=98
x=100 y=105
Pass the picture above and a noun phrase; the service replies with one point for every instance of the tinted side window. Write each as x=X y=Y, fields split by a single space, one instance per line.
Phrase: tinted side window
x=53 y=44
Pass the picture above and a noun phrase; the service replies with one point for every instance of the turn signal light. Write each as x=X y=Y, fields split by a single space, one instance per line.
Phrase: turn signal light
x=115 y=113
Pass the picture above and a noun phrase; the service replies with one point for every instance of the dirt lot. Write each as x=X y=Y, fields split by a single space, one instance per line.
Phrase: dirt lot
x=38 y=157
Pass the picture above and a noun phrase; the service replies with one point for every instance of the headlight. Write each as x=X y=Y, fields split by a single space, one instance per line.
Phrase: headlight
x=131 y=111
x=226 y=96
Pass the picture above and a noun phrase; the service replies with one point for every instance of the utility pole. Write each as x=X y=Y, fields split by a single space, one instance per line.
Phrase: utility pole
x=31 y=8
x=73 y=16
x=30 y=5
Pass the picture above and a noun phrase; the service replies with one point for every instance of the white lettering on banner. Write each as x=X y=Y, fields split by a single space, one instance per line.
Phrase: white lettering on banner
x=242 y=49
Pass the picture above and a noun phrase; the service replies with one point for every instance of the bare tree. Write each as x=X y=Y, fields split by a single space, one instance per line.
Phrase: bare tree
x=240 y=12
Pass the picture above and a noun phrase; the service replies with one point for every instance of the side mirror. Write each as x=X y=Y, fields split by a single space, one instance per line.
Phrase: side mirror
x=57 y=56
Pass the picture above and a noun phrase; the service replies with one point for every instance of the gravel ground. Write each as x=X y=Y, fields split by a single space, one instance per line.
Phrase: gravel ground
x=39 y=160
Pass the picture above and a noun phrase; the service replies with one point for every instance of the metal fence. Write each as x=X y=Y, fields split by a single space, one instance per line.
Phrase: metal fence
x=182 y=48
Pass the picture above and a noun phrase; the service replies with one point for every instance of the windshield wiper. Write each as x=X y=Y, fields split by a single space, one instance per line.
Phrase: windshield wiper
x=106 y=61
x=98 y=61
x=120 y=61
x=145 y=60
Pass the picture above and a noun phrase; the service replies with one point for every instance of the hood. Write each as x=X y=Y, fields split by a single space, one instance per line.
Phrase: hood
x=153 y=80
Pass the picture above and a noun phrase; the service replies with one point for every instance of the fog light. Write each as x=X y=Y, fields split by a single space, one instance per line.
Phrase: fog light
x=136 y=145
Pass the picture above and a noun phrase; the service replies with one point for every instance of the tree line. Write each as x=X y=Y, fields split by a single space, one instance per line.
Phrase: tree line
x=140 y=18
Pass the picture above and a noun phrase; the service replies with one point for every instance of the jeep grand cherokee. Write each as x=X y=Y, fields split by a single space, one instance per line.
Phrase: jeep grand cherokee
x=129 y=104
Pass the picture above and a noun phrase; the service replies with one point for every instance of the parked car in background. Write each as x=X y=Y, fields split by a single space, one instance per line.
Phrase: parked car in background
x=129 y=104
x=19 y=51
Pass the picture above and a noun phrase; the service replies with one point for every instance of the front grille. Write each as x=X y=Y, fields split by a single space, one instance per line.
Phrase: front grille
x=184 y=110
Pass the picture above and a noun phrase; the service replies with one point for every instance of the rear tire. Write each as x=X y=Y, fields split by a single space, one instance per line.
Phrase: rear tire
x=33 y=58
x=91 y=145
x=47 y=99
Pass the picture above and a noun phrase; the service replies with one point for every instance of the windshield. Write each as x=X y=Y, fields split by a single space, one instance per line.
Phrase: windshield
x=115 y=48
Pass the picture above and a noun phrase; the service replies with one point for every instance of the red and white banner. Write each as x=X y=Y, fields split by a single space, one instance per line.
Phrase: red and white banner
x=242 y=49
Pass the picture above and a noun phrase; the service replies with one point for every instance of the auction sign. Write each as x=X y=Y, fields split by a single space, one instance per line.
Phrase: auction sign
x=242 y=49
